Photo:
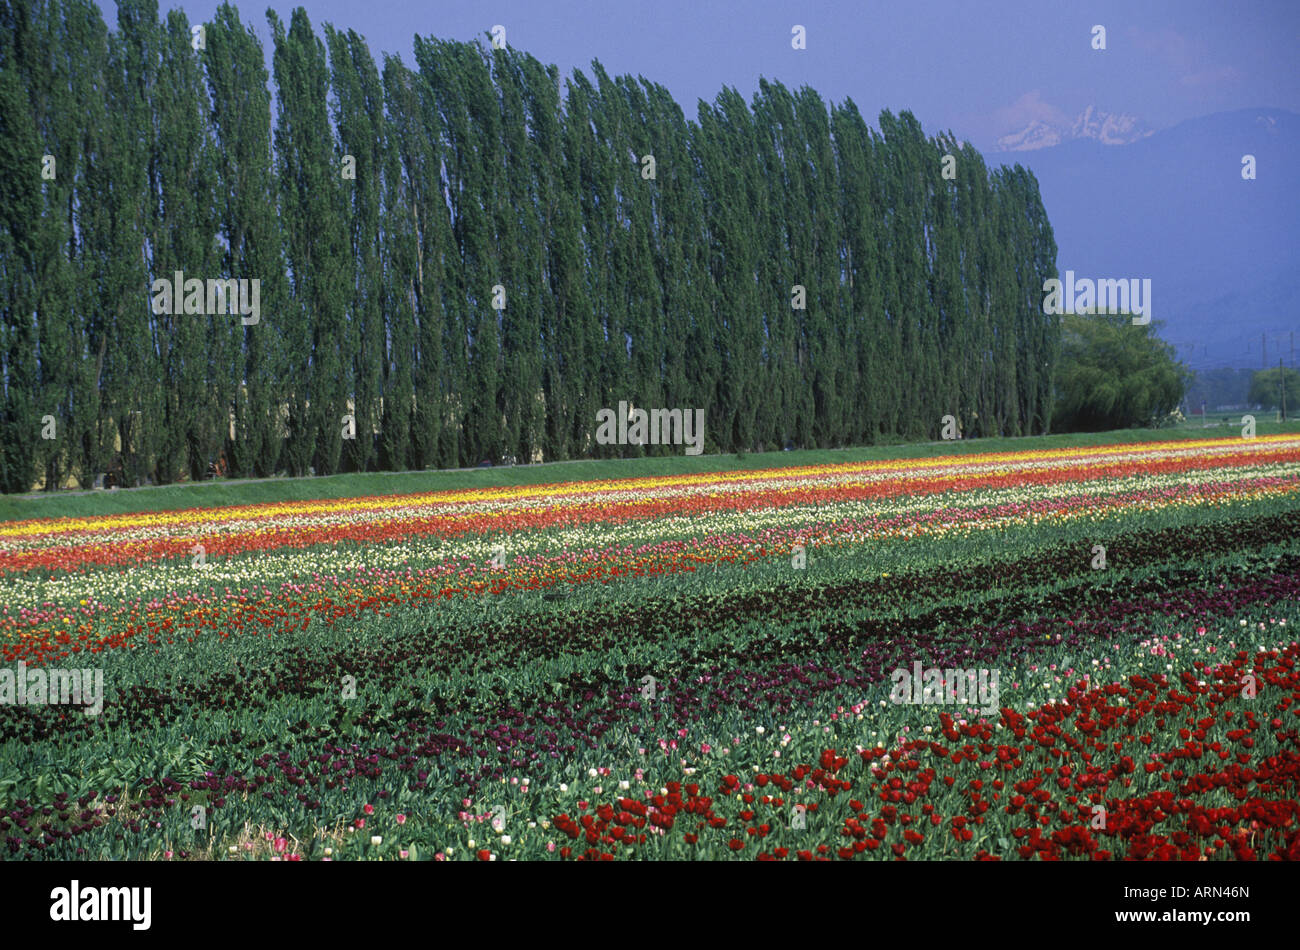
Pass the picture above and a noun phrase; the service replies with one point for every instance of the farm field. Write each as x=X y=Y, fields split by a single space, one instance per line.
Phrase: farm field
x=678 y=665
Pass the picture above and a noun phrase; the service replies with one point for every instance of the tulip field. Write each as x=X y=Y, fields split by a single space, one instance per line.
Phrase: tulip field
x=681 y=666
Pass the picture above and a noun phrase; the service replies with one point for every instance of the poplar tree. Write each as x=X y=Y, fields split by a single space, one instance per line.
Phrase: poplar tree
x=577 y=339
x=559 y=259
x=316 y=249
x=732 y=180
x=249 y=232
x=521 y=240
x=359 y=119
x=678 y=245
x=399 y=252
x=860 y=247
x=605 y=264
x=644 y=294
x=39 y=328
x=195 y=351
x=827 y=327
x=395 y=215
x=437 y=345
x=115 y=298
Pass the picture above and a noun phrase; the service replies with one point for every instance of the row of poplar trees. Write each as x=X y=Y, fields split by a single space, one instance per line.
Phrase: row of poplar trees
x=643 y=256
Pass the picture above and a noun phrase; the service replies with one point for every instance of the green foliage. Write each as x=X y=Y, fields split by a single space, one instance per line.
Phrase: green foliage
x=1218 y=387
x=1269 y=387
x=270 y=709
x=1114 y=375
x=241 y=120
x=472 y=171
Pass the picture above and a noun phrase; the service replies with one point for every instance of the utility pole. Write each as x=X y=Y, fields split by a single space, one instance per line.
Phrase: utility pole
x=1282 y=376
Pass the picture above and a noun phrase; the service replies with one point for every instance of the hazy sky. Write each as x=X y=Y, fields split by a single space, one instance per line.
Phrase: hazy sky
x=979 y=69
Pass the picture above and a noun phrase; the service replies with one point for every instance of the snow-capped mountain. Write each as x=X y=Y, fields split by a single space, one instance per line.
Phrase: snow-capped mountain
x=1035 y=135
x=1104 y=127
x=1222 y=251
x=1108 y=128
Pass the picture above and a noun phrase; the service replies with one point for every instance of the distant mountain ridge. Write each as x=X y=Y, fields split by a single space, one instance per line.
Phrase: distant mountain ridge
x=1107 y=128
x=1223 y=253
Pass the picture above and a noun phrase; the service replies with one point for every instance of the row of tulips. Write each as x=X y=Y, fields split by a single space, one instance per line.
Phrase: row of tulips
x=694 y=666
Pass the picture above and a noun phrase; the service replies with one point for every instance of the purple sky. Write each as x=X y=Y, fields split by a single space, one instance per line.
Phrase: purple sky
x=979 y=69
